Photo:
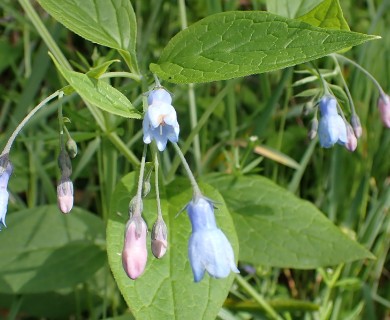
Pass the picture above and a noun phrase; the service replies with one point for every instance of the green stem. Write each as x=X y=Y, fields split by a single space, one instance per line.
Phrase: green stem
x=11 y=140
x=369 y=75
x=191 y=97
x=257 y=297
x=121 y=74
x=44 y=33
x=137 y=210
x=194 y=184
x=159 y=213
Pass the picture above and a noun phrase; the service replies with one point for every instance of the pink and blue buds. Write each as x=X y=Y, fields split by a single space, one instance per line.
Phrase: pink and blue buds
x=160 y=120
x=135 y=253
x=331 y=128
x=384 y=109
x=5 y=173
x=208 y=248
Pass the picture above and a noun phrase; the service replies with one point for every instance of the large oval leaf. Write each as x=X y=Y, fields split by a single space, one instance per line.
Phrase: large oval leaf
x=166 y=289
x=275 y=228
x=43 y=250
x=239 y=43
x=99 y=93
x=110 y=23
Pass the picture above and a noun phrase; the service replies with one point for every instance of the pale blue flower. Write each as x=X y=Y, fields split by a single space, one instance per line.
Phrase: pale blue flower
x=160 y=121
x=208 y=248
x=331 y=128
x=4 y=195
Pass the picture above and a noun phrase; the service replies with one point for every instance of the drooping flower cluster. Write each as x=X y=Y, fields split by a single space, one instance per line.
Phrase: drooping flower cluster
x=384 y=109
x=160 y=121
x=208 y=248
x=5 y=173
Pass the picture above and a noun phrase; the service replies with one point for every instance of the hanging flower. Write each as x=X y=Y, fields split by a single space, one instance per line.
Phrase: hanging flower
x=65 y=195
x=160 y=121
x=159 y=238
x=208 y=248
x=331 y=128
x=4 y=195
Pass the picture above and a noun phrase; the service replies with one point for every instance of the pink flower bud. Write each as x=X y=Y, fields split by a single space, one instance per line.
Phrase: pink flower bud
x=159 y=238
x=65 y=195
x=351 y=139
x=384 y=109
x=135 y=253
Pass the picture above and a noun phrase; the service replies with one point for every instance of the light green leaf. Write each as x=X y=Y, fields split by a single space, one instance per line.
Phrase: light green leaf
x=166 y=289
x=111 y=23
x=43 y=250
x=291 y=8
x=275 y=228
x=99 y=93
x=327 y=14
x=239 y=43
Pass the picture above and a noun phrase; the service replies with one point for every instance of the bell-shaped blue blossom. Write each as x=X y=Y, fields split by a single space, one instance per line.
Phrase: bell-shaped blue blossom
x=160 y=120
x=208 y=248
x=4 y=195
x=331 y=128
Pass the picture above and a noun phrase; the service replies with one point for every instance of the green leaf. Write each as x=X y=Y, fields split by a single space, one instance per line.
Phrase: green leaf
x=239 y=43
x=43 y=250
x=97 y=71
x=327 y=14
x=275 y=228
x=99 y=93
x=166 y=289
x=291 y=8
x=111 y=23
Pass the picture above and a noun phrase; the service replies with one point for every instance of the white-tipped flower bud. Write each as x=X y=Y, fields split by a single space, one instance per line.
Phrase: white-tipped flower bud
x=159 y=238
x=71 y=146
x=351 y=139
x=135 y=253
x=65 y=195
x=4 y=195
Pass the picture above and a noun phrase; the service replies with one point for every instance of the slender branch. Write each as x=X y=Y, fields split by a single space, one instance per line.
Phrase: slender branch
x=159 y=213
x=194 y=184
x=137 y=210
x=11 y=140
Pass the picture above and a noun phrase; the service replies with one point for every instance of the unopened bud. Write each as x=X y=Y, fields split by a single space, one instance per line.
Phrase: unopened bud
x=159 y=238
x=64 y=164
x=351 y=139
x=71 y=146
x=313 y=129
x=146 y=188
x=135 y=253
x=384 y=109
x=65 y=195
x=133 y=208
x=357 y=127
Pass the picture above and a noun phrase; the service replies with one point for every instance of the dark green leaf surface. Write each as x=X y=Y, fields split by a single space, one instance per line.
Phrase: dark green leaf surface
x=275 y=228
x=166 y=289
x=99 y=93
x=240 y=43
x=111 y=23
x=43 y=250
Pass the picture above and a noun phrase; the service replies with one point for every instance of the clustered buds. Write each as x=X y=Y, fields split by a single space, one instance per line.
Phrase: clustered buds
x=160 y=120
x=5 y=173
